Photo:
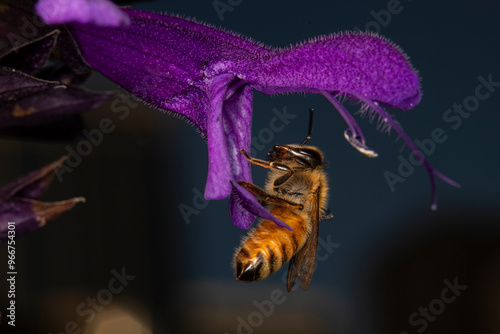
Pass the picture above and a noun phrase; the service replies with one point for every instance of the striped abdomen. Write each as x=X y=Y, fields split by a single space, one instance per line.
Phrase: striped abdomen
x=269 y=246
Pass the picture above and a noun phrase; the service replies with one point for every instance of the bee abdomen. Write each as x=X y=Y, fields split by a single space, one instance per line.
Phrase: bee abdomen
x=258 y=266
x=266 y=250
x=250 y=269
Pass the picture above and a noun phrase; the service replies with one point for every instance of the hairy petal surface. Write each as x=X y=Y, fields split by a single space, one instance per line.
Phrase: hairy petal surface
x=346 y=63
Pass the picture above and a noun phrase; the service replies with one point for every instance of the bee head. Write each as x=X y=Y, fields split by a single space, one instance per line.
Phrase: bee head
x=307 y=156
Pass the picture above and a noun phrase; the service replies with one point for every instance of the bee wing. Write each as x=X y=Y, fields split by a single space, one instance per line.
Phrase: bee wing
x=294 y=268
x=302 y=264
x=307 y=269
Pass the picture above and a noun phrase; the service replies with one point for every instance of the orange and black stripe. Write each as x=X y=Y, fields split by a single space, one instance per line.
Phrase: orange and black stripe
x=269 y=247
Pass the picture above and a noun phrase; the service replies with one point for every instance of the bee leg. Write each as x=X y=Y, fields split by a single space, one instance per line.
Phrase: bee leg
x=327 y=215
x=267 y=164
x=259 y=162
x=269 y=199
x=272 y=165
x=282 y=179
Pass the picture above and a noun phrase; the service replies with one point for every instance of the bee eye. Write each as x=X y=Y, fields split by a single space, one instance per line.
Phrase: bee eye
x=313 y=154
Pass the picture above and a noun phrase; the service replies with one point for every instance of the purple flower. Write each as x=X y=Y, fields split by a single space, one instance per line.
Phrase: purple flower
x=208 y=75
x=19 y=204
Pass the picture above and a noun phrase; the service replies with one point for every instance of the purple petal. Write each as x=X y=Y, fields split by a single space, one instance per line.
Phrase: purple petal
x=29 y=215
x=16 y=85
x=49 y=106
x=349 y=63
x=229 y=131
x=18 y=204
x=100 y=12
x=219 y=168
x=353 y=134
x=30 y=57
x=243 y=207
x=34 y=184
x=71 y=68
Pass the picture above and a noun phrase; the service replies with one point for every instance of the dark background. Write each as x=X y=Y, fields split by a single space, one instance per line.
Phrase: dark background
x=393 y=255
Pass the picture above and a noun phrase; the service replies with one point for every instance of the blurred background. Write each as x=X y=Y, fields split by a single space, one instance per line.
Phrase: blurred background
x=388 y=264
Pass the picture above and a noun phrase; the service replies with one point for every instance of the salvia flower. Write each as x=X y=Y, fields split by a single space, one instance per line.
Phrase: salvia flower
x=208 y=76
x=19 y=202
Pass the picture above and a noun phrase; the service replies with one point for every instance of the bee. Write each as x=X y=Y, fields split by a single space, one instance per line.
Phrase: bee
x=296 y=192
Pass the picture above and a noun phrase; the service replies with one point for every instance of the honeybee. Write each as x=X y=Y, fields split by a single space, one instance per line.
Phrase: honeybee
x=296 y=192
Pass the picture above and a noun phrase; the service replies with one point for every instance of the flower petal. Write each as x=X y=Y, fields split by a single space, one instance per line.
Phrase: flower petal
x=29 y=215
x=70 y=68
x=219 y=168
x=16 y=85
x=353 y=134
x=49 y=106
x=99 y=12
x=32 y=185
x=347 y=63
x=18 y=204
x=243 y=207
x=31 y=56
x=229 y=131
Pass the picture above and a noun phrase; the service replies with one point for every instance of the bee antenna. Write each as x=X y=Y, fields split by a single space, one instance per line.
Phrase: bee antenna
x=311 y=116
